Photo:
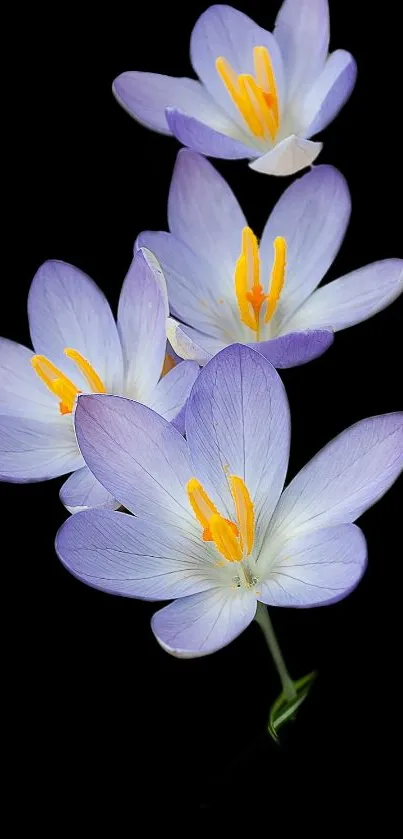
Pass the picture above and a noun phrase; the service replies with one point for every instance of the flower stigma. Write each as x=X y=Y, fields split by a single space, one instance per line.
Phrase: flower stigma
x=248 y=288
x=256 y=97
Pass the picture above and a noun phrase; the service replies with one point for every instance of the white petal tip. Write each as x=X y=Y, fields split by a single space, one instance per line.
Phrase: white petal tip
x=289 y=156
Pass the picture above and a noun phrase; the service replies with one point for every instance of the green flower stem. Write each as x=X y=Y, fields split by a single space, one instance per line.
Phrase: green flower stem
x=262 y=618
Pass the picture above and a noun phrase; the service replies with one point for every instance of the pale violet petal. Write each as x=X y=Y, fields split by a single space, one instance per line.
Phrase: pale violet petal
x=302 y=32
x=31 y=450
x=82 y=491
x=203 y=623
x=208 y=139
x=67 y=309
x=172 y=391
x=314 y=569
x=22 y=392
x=287 y=157
x=295 y=348
x=190 y=344
x=238 y=423
x=328 y=94
x=352 y=298
x=125 y=555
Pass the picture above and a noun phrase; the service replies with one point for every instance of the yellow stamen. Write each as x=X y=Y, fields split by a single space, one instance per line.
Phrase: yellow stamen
x=245 y=513
x=169 y=363
x=95 y=383
x=57 y=382
x=225 y=539
x=248 y=289
x=202 y=505
x=256 y=98
x=277 y=276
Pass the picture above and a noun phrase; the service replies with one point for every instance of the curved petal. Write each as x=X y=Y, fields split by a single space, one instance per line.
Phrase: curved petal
x=315 y=569
x=82 y=491
x=136 y=455
x=302 y=31
x=211 y=225
x=36 y=451
x=203 y=623
x=146 y=97
x=287 y=157
x=190 y=344
x=22 y=393
x=224 y=31
x=238 y=423
x=352 y=298
x=172 y=391
x=67 y=309
x=295 y=348
x=345 y=478
x=141 y=323
x=207 y=139
x=329 y=93
x=312 y=215
x=124 y=555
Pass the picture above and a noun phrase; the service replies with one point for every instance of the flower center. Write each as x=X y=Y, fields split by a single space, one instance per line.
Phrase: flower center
x=248 y=289
x=60 y=385
x=233 y=540
x=256 y=97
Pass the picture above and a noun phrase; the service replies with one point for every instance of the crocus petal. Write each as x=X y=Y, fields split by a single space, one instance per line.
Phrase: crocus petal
x=352 y=298
x=124 y=555
x=312 y=215
x=173 y=389
x=302 y=32
x=67 y=309
x=22 y=393
x=146 y=96
x=141 y=322
x=203 y=623
x=237 y=422
x=191 y=344
x=329 y=93
x=35 y=451
x=224 y=31
x=212 y=224
x=203 y=138
x=82 y=491
x=136 y=455
x=287 y=157
x=345 y=478
x=295 y=348
x=315 y=569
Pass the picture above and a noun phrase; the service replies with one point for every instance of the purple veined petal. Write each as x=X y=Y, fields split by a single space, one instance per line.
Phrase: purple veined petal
x=36 y=451
x=205 y=139
x=203 y=623
x=146 y=96
x=82 y=491
x=315 y=569
x=67 y=309
x=295 y=348
x=302 y=32
x=22 y=393
x=343 y=480
x=329 y=93
x=287 y=157
x=224 y=31
x=121 y=554
x=191 y=344
x=238 y=423
x=137 y=456
x=141 y=323
x=212 y=225
x=352 y=298
x=172 y=391
x=312 y=215
x=194 y=291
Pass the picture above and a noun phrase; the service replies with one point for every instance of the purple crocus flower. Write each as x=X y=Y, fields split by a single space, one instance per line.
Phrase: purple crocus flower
x=226 y=288
x=260 y=95
x=79 y=348
x=214 y=529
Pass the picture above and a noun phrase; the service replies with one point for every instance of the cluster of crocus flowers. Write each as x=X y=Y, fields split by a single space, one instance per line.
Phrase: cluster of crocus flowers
x=173 y=419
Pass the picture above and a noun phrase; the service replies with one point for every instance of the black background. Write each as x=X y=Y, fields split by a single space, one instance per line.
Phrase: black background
x=103 y=715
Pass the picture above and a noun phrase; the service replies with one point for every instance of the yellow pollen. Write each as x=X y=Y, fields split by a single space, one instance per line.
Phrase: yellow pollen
x=233 y=541
x=60 y=385
x=248 y=289
x=256 y=97
x=168 y=365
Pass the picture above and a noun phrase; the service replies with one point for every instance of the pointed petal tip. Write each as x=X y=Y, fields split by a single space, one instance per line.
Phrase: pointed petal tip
x=288 y=157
